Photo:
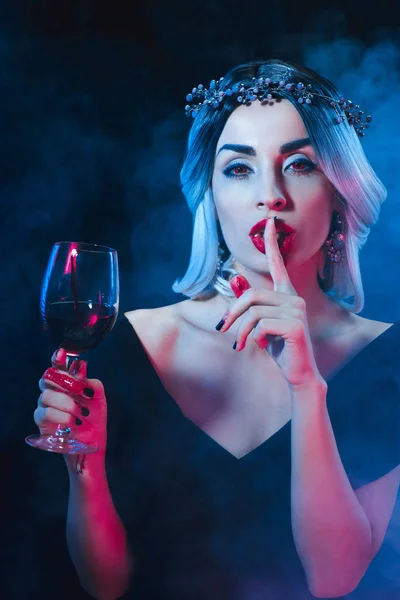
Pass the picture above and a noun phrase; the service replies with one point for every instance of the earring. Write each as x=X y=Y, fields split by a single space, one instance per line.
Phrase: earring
x=334 y=250
x=335 y=241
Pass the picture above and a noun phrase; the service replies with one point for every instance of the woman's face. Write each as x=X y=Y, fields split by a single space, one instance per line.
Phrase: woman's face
x=264 y=178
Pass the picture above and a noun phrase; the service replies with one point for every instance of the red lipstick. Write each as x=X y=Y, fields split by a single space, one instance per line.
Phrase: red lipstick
x=285 y=238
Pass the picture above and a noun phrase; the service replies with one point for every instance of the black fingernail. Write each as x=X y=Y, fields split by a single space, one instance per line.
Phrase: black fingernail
x=234 y=345
x=220 y=324
x=89 y=392
x=85 y=411
x=78 y=421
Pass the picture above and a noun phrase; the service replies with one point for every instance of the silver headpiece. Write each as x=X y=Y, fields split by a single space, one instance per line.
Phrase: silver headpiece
x=264 y=89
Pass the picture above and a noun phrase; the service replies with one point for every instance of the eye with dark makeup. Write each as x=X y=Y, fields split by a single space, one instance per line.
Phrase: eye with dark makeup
x=305 y=167
x=239 y=167
x=300 y=166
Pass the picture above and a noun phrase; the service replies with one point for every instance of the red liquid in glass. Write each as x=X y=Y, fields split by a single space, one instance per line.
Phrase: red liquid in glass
x=78 y=327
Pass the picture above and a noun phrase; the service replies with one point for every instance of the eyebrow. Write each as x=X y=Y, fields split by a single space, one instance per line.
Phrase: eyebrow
x=250 y=151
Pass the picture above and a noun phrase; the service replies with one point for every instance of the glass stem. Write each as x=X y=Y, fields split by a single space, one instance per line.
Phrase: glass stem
x=70 y=359
x=61 y=431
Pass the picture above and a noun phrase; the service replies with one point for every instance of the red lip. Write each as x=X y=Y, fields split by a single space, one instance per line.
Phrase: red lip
x=284 y=248
x=279 y=225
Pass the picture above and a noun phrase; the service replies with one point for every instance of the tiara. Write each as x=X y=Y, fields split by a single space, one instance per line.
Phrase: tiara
x=264 y=89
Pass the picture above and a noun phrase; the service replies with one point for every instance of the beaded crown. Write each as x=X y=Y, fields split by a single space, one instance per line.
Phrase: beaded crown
x=264 y=89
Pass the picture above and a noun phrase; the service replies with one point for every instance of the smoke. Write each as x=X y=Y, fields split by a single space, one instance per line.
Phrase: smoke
x=92 y=139
x=369 y=75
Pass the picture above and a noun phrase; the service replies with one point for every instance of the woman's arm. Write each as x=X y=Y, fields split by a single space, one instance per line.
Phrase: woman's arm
x=96 y=537
x=331 y=530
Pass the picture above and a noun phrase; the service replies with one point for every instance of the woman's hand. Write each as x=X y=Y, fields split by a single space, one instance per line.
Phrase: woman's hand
x=275 y=319
x=73 y=401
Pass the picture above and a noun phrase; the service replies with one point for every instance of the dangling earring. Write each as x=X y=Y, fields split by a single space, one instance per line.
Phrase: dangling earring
x=220 y=261
x=335 y=241
x=333 y=248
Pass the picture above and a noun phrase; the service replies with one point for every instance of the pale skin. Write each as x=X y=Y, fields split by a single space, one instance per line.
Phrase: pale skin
x=284 y=299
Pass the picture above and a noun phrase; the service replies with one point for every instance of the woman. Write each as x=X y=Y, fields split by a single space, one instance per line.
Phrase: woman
x=237 y=481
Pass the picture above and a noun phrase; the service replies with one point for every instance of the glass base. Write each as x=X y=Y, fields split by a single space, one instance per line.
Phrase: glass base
x=60 y=444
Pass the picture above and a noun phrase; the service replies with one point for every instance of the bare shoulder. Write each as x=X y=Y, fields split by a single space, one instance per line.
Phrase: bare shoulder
x=153 y=322
x=149 y=317
x=371 y=329
x=167 y=332
x=157 y=328
x=363 y=332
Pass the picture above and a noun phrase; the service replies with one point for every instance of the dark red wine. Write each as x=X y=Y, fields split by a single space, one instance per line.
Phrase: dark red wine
x=78 y=328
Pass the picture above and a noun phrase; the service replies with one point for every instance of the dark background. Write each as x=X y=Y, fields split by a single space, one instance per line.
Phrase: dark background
x=92 y=136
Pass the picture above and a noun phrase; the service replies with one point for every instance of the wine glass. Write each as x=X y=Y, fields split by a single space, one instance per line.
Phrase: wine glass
x=79 y=306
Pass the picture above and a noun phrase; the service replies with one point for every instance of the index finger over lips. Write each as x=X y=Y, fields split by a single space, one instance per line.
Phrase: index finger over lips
x=277 y=267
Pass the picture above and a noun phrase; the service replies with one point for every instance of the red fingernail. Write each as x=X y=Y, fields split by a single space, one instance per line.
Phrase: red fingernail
x=54 y=358
x=72 y=385
x=76 y=367
x=239 y=285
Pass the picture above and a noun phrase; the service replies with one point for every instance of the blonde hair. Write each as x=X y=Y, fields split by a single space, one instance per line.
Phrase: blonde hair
x=341 y=157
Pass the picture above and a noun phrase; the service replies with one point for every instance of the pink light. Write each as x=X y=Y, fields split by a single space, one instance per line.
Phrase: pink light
x=92 y=321
x=73 y=253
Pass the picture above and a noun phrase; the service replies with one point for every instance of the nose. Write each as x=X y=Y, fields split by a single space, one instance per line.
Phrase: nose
x=272 y=202
x=270 y=195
